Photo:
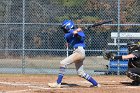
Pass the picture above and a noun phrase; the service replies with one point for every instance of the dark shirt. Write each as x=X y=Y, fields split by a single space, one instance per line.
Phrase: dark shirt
x=134 y=62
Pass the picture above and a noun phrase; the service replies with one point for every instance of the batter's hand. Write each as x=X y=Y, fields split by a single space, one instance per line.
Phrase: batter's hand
x=77 y=30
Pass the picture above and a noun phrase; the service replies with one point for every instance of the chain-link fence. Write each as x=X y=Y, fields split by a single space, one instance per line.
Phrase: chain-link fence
x=31 y=40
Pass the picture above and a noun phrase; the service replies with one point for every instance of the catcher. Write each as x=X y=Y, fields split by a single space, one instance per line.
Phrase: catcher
x=133 y=58
x=74 y=37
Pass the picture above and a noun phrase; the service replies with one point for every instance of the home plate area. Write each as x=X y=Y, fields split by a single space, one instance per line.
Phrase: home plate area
x=71 y=84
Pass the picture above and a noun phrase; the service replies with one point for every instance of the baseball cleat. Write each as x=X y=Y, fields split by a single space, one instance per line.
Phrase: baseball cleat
x=54 y=85
x=135 y=83
x=96 y=86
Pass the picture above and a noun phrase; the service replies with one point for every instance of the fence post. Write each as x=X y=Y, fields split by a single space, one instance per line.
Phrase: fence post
x=118 y=72
x=23 y=46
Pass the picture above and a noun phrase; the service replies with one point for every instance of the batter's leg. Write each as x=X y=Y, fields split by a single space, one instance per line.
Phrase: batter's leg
x=75 y=57
x=81 y=73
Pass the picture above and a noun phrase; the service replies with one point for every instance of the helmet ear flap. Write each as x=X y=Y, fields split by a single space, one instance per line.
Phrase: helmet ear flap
x=73 y=27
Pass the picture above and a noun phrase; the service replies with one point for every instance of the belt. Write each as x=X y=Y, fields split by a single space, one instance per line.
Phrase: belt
x=78 y=47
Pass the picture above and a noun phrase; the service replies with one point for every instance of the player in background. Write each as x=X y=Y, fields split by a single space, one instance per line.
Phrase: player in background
x=74 y=37
x=133 y=58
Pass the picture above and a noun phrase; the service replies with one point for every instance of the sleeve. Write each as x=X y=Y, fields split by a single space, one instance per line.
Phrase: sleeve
x=69 y=35
x=81 y=36
x=137 y=54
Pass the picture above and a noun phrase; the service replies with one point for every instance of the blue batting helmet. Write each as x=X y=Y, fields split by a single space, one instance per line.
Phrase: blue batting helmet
x=68 y=24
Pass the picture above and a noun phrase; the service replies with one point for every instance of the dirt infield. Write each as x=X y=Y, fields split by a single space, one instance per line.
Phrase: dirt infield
x=14 y=83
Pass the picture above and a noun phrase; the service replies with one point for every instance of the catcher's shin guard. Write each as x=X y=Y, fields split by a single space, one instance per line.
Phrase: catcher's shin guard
x=133 y=76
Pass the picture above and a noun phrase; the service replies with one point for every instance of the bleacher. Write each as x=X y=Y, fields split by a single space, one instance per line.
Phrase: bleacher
x=118 y=65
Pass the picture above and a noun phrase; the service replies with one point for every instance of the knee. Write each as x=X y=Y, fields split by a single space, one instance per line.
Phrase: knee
x=133 y=76
x=129 y=74
x=63 y=64
x=81 y=73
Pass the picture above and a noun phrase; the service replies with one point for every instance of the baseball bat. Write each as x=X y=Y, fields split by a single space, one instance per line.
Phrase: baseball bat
x=100 y=23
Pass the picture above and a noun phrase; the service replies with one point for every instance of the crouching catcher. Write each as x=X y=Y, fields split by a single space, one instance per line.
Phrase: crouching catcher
x=133 y=58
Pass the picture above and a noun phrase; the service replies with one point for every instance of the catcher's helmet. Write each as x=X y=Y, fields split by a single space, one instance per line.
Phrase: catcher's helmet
x=67 y=25
x=133 y=46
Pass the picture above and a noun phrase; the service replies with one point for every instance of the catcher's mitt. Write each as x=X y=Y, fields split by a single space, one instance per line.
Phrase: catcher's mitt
x=108 y=55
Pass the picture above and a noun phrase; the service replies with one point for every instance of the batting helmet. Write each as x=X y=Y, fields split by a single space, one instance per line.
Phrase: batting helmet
x=67 y=25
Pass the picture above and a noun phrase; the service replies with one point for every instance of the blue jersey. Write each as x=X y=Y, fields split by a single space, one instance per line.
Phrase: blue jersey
x=75 y=40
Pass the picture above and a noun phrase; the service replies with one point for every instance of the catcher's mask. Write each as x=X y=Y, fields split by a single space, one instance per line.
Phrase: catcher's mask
x=67 y=25
x=133 y=46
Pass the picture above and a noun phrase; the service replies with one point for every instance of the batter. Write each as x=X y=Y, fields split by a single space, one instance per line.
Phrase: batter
x=75 y=37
